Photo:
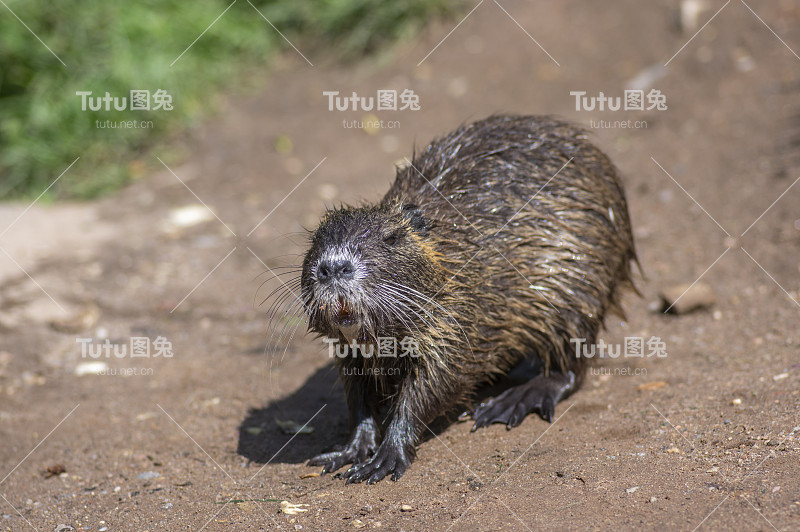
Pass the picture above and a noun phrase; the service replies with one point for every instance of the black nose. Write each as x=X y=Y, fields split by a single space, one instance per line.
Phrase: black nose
x=335 y=269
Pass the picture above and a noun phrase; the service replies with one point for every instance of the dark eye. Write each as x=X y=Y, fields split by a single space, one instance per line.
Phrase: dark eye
x=391 y=240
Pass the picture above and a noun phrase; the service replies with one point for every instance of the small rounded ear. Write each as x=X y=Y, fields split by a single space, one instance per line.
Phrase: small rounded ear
x=416 y=220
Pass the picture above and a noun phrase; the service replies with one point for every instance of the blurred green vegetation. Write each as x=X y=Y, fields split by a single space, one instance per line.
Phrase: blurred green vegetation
x=117 y=47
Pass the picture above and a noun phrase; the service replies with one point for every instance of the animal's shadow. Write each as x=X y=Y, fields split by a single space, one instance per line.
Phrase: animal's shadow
x=262 y=439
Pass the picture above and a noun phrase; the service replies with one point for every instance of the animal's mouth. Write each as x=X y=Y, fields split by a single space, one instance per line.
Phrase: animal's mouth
x=346 y=320
x=341 y=312
x=345 y=312
x=336 y=313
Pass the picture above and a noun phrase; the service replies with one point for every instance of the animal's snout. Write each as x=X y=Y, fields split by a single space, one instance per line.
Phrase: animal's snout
x=330 y=270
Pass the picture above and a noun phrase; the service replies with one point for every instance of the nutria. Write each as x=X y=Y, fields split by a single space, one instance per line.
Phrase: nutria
x=498 y=244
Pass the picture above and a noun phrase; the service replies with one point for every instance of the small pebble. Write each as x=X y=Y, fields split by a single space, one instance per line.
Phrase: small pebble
x=736 y=401
x=744 y=61
x=82 y=320
x=685 y=298
x=689 y=15
x=328 y=191
x=54 y=470
x=632 y=490
x=289 y=508
x=406 y=508
x=90 y=368
x=780 y=376
x=645 y=79
x=189 y=216
x=650 y=386
x=148 y=475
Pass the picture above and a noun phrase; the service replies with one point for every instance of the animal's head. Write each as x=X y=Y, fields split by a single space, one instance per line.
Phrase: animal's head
x=368 y=272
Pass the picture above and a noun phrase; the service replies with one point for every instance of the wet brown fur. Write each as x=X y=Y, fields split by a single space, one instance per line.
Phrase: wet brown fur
x=526 y=243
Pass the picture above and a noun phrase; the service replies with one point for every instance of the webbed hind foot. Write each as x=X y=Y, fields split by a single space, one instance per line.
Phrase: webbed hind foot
x=540 y=394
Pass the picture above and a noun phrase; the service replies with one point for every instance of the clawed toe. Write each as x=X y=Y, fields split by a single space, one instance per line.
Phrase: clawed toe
x=333 y=461
x=330 y=462
x=540 y=394
x=357 y=451
x=387 y=460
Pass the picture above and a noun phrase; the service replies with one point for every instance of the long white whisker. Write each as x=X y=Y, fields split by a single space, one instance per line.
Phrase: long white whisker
x=435 y=303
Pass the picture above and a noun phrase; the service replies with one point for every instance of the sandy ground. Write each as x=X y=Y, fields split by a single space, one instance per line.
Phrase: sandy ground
x=706 y=437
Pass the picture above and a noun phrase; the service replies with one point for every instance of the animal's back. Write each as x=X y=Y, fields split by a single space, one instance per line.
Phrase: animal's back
x=533 y=221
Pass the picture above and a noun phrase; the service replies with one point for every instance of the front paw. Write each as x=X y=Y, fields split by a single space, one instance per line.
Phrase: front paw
x=332 y=461
x=357 y=451
x=393 y=459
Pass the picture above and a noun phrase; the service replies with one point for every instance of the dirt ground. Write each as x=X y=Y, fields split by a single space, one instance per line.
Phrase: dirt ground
x=706 y=437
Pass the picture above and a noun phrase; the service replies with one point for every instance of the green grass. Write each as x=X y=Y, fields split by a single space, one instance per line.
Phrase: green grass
x=115 y=47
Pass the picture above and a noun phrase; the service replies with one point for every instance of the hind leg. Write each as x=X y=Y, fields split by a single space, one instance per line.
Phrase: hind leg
x=540 y=394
